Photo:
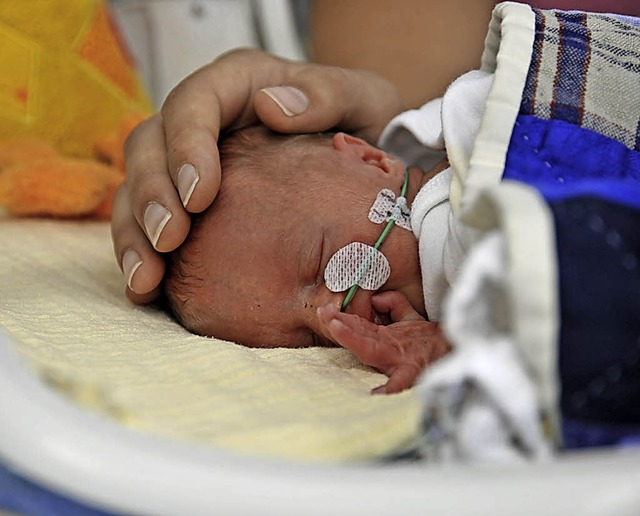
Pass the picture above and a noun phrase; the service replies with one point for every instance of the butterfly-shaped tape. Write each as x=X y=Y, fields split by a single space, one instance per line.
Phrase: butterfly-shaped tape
x=387 y=206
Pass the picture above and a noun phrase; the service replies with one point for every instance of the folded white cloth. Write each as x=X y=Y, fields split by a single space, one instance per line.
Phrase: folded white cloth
x=479 y=403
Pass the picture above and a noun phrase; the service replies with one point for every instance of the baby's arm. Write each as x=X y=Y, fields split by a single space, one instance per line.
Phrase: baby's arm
x=401 y=350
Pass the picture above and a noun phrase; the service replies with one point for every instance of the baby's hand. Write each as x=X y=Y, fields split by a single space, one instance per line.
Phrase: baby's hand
x=400 y=350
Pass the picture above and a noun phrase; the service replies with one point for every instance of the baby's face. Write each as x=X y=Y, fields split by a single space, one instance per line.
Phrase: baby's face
x=266 y=251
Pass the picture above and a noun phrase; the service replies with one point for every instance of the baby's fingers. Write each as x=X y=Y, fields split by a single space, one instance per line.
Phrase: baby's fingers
x=396 y=305
x=402 y=378
x=359 y=336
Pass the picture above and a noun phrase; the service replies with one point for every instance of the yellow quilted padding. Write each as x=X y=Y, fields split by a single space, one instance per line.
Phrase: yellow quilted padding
x=61 y=298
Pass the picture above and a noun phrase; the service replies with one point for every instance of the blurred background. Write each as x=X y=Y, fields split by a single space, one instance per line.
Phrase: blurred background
x=171 y=38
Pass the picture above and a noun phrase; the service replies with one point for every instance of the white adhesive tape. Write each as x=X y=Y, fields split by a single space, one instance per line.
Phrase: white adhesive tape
x=356 y=264
x=386 y=206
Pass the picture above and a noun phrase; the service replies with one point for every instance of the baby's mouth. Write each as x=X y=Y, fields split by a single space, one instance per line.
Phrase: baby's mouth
x=381 y=319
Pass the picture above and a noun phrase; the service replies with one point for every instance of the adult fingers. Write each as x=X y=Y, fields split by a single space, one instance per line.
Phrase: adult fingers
x=396 y=305
x=191 y=122
x=153 y=200
x=317 y=98
x=287 y=96
x=213 y=98
x=141 y=265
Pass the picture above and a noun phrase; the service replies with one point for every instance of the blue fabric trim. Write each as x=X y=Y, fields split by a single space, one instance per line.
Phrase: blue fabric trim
x=27 y=498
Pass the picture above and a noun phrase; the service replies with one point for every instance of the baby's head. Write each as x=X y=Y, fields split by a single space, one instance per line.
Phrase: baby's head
x=252 y=268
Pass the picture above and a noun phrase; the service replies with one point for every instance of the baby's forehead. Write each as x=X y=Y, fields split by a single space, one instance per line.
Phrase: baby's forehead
x=306 y=181
x=247 y=216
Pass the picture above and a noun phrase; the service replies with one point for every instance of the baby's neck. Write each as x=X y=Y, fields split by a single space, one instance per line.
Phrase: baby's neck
x=418 y=178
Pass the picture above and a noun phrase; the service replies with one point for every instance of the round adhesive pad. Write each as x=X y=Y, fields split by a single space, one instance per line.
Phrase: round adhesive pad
x=357 y=264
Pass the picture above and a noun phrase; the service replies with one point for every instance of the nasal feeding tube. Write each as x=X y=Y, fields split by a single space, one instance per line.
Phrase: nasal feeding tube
x=374 y=270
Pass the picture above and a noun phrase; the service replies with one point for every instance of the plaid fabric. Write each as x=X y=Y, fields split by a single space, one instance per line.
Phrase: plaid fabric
x=585 y=69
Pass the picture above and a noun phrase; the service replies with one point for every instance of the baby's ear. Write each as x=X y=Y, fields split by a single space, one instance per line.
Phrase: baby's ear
x=359 y=149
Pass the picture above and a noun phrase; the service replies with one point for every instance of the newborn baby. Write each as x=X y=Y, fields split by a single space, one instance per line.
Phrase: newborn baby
x=253 y=268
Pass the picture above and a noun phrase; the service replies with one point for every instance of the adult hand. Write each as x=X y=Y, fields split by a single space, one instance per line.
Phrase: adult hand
x=400 y=350
x=172 y=159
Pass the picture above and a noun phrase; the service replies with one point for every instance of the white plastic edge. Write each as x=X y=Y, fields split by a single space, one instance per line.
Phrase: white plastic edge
x=49 y=440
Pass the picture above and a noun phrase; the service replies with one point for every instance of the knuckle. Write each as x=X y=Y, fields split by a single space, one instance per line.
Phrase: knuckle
x=175 y=93
x=240 y=53
x=337 y=79
x=133 y=137
x=120 y=198
x=177 y=139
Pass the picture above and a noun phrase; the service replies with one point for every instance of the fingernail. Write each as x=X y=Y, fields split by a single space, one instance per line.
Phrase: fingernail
x=131 y=262
x=335 y=325
x=322 y=309
x=156 y=217
x=187 y=180
x=379 y=390
x=291 y=100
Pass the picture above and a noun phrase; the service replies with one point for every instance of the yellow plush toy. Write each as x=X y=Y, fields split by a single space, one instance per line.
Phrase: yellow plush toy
x=69 y=95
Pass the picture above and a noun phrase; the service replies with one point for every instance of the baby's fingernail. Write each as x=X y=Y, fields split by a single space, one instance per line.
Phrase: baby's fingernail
x=335 y=325
x=187 y=180
x=291 y=100
x=156 y=217
x=131 y=262
x=322 y=309
x=329 y=308
x=379 y=390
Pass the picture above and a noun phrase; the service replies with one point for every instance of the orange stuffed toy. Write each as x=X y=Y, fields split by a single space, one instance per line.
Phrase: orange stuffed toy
x=36 y=180
x=69 y=96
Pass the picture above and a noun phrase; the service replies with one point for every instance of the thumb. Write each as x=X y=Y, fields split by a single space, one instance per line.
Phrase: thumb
x=318 y=98
x=396 y=305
